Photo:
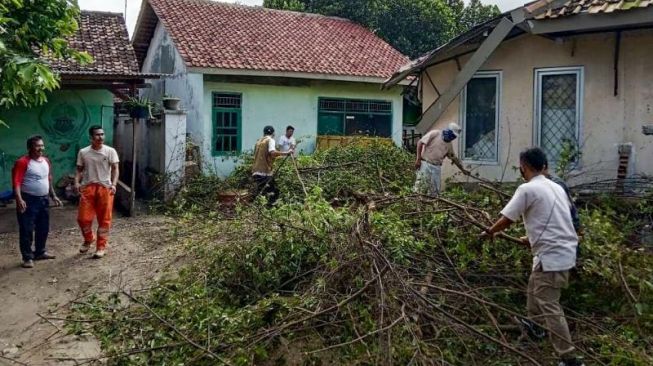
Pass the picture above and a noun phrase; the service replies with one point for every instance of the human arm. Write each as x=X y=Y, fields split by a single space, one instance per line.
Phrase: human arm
x=78 y=172
x=418 y=161
x=455 y=160
x=21 y=205
x=115 y=172
x=53 y=194
x=17 y=176
x=78 y=178
x=276 y=153
x=501 y=224
x=511 y=212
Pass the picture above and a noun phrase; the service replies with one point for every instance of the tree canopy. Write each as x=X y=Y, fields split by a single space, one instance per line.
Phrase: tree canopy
x=411 y=26
x=29 y=31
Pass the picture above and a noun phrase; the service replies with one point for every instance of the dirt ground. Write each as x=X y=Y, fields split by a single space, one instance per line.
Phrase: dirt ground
x=136 y=256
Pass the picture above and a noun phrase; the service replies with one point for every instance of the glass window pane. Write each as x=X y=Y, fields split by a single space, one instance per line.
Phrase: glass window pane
x=480 y=119
x=558 y=114
x=369 y=125
x=226 y=131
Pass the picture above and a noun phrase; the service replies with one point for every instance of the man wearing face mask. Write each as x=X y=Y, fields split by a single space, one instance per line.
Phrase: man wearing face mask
x=96 y=179
x=545 y=209
x=432 y=148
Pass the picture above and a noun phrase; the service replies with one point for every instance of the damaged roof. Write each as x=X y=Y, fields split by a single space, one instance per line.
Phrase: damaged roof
x=216 y=35
x=574 y=7
x=467 y=42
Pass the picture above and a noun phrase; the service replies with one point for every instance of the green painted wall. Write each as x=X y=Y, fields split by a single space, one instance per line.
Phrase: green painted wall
x=63 y=122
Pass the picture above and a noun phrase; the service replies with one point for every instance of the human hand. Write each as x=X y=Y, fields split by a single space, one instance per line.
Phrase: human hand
x=77 y=188
x=113 y=189
x=418 y=164
x=21 y=205
x=57 y=201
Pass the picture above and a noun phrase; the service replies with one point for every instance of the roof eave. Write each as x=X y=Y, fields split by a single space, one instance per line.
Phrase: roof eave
x=104 y=76
x=291 y=74
x=519 y=17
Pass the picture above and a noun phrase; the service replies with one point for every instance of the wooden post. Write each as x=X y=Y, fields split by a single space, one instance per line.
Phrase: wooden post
x=132 y=195
x=132 y=186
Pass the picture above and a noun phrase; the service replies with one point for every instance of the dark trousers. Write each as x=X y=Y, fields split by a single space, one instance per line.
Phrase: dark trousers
x=267 y=187
x=34 y=225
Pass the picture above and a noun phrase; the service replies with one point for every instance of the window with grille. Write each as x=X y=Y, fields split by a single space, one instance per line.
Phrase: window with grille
x=480 y=118
x=558 y=109
x=354 y=117
x=226 y=123
x=226 y=100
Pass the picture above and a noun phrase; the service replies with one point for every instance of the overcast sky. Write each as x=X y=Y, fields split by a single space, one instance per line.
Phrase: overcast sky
x=134 y=6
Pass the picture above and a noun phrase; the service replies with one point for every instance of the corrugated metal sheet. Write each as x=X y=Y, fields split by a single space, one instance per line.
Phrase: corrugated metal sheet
x=573 y=7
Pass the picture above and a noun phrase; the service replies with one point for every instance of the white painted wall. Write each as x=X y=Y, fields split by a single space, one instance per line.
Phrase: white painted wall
x=280 y=106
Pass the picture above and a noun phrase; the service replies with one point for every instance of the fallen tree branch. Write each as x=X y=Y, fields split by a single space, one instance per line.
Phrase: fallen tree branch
x=390 y=326
x=174 y=329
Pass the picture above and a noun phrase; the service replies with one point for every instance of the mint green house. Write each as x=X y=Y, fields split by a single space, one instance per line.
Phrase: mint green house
x=238 y=68
x=86 y=98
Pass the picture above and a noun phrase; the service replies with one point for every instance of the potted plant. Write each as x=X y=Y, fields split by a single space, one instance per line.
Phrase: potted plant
x=139 y=107
x=171 y=102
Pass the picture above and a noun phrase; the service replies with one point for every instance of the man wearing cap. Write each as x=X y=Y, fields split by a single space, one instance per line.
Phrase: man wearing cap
x=264 y=154
x=432 y=148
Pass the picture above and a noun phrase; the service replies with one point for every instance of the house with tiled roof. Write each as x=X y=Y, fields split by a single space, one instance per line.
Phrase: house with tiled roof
x=560 y=74
x=86 y=97
x=238 y=68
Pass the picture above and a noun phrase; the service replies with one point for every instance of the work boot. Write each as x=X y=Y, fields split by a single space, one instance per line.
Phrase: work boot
x=45 y=256
x=98 y=254
x=28 y=264
x=575 y=361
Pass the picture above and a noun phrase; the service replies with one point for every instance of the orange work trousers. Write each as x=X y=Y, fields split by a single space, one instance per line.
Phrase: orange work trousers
x=96 y=201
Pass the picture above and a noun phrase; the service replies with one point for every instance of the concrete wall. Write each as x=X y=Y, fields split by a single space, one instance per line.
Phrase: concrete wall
x=280 y=106
x=63 y=122
x=161 y=151
x=262 y=104
x=607 y=120
x=163 y=57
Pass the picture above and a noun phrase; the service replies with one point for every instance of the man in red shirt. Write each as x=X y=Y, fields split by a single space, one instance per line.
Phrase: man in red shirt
x=32 y=182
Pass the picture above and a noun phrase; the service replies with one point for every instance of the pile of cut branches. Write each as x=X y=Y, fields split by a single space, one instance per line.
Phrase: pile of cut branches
x=384 y=276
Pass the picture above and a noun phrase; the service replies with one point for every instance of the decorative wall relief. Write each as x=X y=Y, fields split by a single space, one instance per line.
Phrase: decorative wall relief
x=66 y=119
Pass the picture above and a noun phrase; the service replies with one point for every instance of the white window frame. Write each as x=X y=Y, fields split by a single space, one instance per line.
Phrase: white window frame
x=498 y=75
x=579 y=71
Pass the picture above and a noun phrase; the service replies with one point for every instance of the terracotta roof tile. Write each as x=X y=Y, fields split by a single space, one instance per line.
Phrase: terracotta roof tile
x=104 y=36
x=227 y=36
x=573 y=7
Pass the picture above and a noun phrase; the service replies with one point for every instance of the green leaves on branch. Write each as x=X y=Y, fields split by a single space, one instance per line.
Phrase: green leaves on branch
x=32 y=32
